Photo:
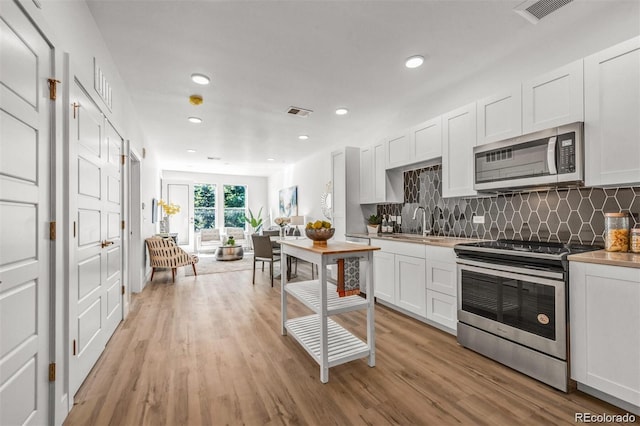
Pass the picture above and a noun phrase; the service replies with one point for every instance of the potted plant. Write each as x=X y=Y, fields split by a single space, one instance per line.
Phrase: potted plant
x=373 y=223
x=254 y=221
x=231 y=241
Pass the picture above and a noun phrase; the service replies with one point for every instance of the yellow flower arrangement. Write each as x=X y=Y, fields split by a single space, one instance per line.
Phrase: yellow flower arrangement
x=169 y=209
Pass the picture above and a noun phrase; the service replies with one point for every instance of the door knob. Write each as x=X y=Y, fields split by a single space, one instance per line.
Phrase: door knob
x=106 y=243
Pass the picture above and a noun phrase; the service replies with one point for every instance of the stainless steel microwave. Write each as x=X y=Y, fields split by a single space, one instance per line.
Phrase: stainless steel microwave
x=551 y=157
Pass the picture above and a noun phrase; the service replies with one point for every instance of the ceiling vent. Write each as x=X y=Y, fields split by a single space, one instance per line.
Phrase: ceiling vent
x=214 y=158
x=300 y=112
x=534 y=10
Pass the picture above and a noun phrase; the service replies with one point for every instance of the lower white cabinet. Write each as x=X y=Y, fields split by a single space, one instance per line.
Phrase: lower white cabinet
x=441 y=289
x=399 y=275
x=605 y=329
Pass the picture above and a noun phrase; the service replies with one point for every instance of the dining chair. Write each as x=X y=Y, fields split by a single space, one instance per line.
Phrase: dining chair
x=263 y=252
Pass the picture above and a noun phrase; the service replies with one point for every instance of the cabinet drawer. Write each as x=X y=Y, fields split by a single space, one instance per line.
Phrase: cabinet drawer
x=396 y=247
x=442 y=309
x=441 y=277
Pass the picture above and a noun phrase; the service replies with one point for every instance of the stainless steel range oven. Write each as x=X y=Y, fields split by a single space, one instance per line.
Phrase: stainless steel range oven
x=513 y=302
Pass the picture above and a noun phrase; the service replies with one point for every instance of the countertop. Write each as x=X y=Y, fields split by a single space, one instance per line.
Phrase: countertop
x=603 y=257
x=332 y=247
x=431 y=240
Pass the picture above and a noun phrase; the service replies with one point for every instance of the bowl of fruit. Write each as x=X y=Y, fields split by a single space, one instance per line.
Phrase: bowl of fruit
x=319 y=231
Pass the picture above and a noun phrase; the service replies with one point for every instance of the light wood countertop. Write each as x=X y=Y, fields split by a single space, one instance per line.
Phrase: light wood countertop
x=332 y=247
x=431 y=240
x=603 y=257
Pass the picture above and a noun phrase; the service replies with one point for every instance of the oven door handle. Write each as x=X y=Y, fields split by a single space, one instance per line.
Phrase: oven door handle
x=495 y=267
x=511 y=275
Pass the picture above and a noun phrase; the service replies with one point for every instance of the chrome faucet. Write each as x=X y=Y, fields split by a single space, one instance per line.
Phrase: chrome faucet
x=424 y=219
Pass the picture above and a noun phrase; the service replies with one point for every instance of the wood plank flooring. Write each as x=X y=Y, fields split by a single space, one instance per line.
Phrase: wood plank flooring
x=207 y=350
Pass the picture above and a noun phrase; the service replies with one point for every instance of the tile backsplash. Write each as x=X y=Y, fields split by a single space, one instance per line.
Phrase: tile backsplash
x=564 y=215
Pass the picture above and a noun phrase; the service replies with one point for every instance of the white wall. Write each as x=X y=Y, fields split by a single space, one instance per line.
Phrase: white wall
x=256 y=187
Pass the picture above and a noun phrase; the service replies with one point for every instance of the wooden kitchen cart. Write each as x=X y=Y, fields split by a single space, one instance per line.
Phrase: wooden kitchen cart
x=325 y=340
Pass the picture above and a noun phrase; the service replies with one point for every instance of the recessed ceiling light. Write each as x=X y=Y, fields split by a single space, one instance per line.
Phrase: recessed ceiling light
x=200 y=79
x=271 y=159
x=303 y=137
x=196 y=120
x=414 y=61
x=191 y=150
x=342 y=111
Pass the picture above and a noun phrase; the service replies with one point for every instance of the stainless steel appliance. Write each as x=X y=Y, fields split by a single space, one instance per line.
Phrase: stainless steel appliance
x=550 y=157
x=513 y=305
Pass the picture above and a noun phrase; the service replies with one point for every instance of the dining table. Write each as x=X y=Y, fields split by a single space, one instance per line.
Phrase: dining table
x=276 y=241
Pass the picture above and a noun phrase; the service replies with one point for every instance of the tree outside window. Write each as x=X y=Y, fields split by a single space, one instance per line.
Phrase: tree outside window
x=235 y=205
x=204 y=212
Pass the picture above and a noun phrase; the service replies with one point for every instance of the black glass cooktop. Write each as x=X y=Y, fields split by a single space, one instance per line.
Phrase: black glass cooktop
x=558 y=250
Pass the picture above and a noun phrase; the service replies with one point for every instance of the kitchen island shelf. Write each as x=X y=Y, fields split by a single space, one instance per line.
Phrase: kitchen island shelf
x=308 y=293
x=327 y=342
x=341 y=344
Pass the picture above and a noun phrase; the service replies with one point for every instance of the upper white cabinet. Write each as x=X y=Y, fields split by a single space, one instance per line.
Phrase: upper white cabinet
x=500 y=116
x=612 y=110
x=427 y=140
x=399 y=151
x=420 y=143
x=605 y=339
x=553 y=99
x=377 y=185
x=458 y=139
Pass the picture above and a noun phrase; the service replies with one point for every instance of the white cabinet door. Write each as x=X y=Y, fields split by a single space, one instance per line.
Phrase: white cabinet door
x=379 y=170
x=427 y=140
x=605 y=338
x=399 y=151
x=611 y=109
x=442 y=309
x=410 y=284
x=383 y=276
x=458 y=140
x=441 y=276
x=500 y=116
x=553 y=99
x=366 y=176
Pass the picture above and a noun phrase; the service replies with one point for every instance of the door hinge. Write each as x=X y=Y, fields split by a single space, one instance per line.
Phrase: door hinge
x=123 y=159
x=122 y=289
x=53 y=83
x=75 y=351
x=52 y=230
x=123 y=224
x=75 y=106
x=52 y=372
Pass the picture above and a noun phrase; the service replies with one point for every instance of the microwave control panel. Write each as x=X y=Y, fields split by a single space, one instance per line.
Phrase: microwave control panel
x=566 y=150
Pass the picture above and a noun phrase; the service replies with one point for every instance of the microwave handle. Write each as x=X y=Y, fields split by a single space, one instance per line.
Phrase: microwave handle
x=551 y=156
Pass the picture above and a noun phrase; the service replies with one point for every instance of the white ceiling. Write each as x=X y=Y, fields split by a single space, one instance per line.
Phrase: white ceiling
x=264 y=56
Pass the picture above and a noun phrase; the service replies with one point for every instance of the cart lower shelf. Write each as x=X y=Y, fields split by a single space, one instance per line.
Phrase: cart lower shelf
x=342 y=345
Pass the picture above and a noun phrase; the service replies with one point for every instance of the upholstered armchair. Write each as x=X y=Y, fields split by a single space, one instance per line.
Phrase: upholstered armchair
x=207 y=239
x=238 y=234
x=164 y=253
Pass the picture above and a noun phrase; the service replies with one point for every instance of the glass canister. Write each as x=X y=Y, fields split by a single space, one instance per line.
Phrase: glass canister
x=616 y=232
x=635 y=240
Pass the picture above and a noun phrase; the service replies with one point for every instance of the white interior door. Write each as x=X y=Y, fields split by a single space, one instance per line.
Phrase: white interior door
x=95 y=255
x=25 y=143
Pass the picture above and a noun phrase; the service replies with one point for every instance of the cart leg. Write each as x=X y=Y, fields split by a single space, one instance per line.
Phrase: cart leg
x=371 y=323
x=324 y=374
x=283 y=293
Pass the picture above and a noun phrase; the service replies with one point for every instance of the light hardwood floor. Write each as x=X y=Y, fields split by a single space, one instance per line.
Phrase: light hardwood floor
x=207 y=350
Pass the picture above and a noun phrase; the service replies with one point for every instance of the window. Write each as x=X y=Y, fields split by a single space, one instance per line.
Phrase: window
x=204 y=202
x=234 y=205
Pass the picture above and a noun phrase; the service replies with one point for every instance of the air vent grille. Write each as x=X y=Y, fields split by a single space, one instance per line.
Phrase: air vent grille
x=300 y=112
x=534 y=11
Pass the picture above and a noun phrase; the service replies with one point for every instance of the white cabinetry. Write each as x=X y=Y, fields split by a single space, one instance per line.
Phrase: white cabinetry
x=553 y=99
x=345 y=175
x=399 y=275
x=500 y=116
x=419 y=144
x=442 y=290
x=612 y=108
x=377 y=184
x=605 y=334
x=458 y=139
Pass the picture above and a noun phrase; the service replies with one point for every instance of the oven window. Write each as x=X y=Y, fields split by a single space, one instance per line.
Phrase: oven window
x=521 y=304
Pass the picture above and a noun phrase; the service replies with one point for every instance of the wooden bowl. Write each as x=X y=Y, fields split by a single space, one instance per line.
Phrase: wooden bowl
x=319 y=236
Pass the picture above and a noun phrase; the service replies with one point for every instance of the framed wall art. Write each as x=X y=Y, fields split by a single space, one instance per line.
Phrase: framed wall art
x=288 y=201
